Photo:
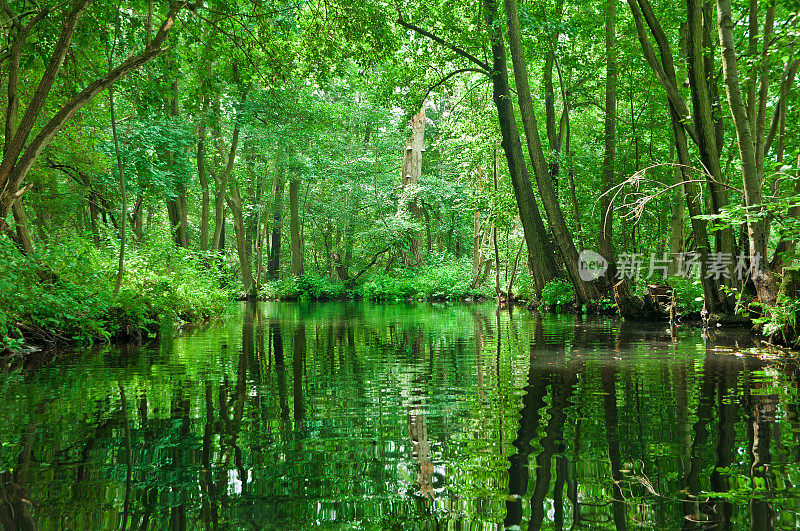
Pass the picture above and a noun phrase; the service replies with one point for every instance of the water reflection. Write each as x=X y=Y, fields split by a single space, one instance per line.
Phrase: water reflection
x=404 y=416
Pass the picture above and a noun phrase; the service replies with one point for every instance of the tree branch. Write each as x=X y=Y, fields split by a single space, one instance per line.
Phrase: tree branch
x=372 y=262
x=485 y=67
x=77 y=102
x=450 y=75
x=664 y=72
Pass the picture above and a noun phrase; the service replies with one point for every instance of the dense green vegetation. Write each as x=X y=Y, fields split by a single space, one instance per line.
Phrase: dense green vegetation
x=160 y=158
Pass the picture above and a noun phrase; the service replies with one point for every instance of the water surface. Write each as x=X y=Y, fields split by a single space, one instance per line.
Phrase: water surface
x=405 y=416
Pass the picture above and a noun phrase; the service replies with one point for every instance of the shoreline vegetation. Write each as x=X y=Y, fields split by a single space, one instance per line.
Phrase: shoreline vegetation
x=160 y=160
x=165 y=284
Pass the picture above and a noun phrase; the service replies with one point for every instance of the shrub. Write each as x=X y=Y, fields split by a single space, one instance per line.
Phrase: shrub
x=557 y=294
x=80 y=307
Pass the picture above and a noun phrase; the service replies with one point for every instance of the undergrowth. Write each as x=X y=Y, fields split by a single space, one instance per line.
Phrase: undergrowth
x=435 y=282
x=80 y=307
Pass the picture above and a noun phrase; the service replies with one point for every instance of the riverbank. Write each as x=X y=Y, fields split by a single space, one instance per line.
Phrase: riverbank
x=76 y=304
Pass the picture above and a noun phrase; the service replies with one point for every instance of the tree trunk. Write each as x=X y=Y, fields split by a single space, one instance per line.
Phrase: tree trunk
x=234 y=201
x=273 y=264
x=715 y=300
x=584 y=291
x=177 y=206
x=201 y=174
x=763 y=94
x=554 y=134
x=605 y=237
x=757 y=228
x=410 y=172
x=19 y=155
x=123 y=226
x=676 y=223
x=294 y=227
x=541 y=256
x=265 y=233
x=702 y=112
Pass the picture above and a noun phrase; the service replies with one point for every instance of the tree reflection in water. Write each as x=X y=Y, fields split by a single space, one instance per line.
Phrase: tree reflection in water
x=399 y=415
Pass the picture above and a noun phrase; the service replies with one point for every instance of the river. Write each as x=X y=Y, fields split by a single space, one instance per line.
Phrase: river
x=405 y=416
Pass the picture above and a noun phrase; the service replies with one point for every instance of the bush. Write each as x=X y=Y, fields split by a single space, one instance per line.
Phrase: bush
x=557 y=294
x=80 y=306
x=306 y=287
x=433 y=281
x=688 y=294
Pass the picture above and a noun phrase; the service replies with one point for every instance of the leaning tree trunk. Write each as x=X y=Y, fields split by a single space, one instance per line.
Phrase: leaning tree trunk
x=123 y=226
x=702 y=113
x=222 y=184
x=715 y=299
x=541 y=256
x=20 y=154
x=563 y=239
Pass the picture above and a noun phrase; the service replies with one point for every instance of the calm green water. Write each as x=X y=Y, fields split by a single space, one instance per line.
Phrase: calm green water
x=405 y=417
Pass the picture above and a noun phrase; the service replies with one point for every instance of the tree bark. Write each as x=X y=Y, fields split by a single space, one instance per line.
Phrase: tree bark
x=294 y=227
x=541 y=259
x=222 y=182
x=234 y=201
x=563 y=239
x=177 y=206
x=201 y=174
x=273 y=263
x=122 y=230
x=411 y=171
x=605 y=237
x=702 y=113
x=757 y=228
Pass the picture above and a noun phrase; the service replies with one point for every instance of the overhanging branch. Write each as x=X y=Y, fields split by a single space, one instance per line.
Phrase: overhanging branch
x=466 y=55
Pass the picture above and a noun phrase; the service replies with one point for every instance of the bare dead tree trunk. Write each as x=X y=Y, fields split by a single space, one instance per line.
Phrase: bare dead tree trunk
x=411 y=171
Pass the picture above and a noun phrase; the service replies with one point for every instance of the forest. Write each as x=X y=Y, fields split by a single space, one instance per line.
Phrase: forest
x=161 y=159
x=492 y=264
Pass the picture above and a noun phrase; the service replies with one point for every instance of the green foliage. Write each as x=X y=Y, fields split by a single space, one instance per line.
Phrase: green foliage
x=80 y=307
x=557 y=294
x=446 y=281
x=688 y=294
x=306 y=287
